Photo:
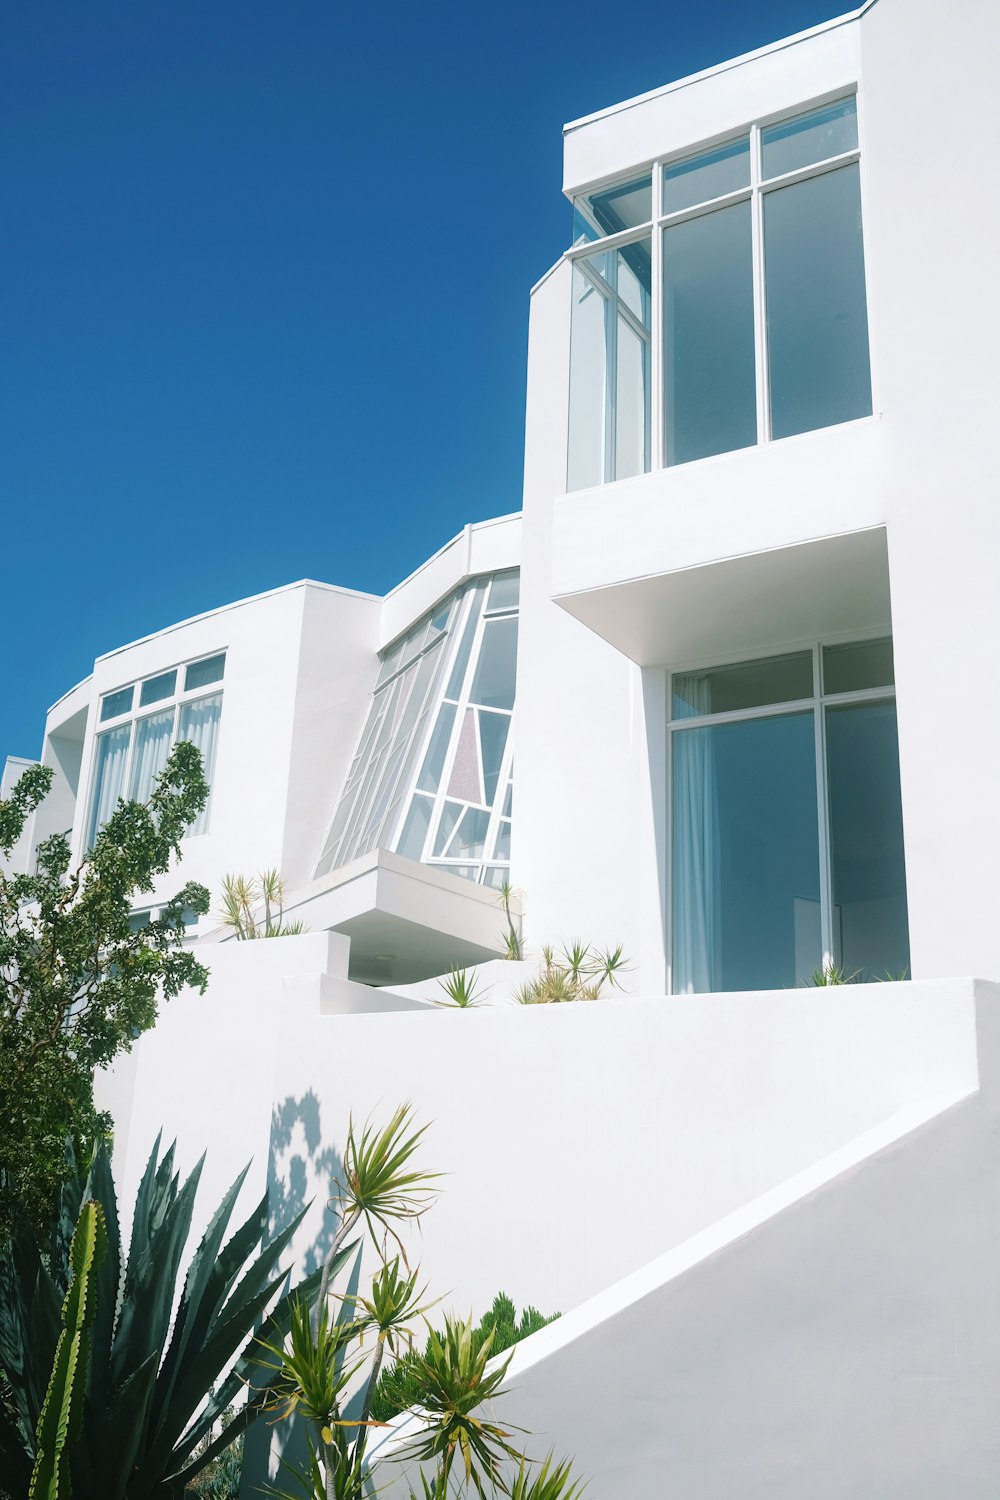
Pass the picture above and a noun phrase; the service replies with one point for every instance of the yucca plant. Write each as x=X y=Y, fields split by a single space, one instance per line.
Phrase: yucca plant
x=832 y=973
x=579 y=973
x=462 y=989
x=550 y=1481
x=454 y=1380
x=242 y=900
x=162 y=1369
x=511 y=936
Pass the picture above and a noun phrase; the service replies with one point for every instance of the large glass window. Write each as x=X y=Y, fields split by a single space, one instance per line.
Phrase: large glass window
x=750 y=265
x=787 y=830
x=432 y=775
x=130 y=756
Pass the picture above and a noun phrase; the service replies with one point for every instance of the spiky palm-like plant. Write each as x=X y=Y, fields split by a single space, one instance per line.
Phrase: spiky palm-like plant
x=163 y=1369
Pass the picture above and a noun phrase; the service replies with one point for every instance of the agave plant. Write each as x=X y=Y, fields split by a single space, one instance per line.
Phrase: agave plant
x=461 y=987
x=158 y=1379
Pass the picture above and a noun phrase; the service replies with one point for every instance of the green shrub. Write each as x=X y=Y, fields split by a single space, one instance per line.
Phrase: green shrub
x=398 y=1386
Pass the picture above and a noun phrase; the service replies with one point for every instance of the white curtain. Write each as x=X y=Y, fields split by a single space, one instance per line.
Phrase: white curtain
x=109 y=776
x=200 y=724
x=696 y=967
x=153 y=738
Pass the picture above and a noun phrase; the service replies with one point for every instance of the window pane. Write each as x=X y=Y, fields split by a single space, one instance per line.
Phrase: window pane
x=496 y=875
x=817 y=318
x=450 y=814
x=469 y=839
x=709 y=368
x=493 y=741
x=464 y=651
x=862 y=664
x=746 y=898
x=871 y=932
x=625 y=206
x=493 y=684
x=200 y=724
x=750 y=684
x=430 y=773
x=504 y=591
x=113 y=704
x=709 y=175
x=464 y=872
x=157 y=688
x=588 y=372
x=153 y=738
x=465 y=781
x=111 y=753
x=817 y=136
x=411 y=840
x=201 y=673
x=609 y=366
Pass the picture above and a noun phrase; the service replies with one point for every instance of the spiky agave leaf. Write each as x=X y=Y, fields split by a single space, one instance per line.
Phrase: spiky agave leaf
x=551 y=1481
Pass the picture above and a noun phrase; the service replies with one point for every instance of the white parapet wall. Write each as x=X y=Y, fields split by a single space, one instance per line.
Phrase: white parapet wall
x=579 y=1141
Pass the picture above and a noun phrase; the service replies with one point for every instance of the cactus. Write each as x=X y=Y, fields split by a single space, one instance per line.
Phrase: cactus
x=61 y=1417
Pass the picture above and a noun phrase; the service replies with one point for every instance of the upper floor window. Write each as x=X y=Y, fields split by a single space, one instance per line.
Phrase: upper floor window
x=743 y=264
x=144 y=719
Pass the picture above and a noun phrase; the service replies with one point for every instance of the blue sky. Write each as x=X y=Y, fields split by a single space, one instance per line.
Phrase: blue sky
x=265 y=270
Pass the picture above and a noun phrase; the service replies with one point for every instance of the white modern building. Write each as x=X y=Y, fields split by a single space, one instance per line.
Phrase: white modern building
x=691 y=699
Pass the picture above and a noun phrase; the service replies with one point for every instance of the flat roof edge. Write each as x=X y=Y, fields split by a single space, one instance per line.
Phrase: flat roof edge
x=718 y=68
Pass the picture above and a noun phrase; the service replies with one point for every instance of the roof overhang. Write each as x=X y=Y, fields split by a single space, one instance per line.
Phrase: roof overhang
x=826 y=587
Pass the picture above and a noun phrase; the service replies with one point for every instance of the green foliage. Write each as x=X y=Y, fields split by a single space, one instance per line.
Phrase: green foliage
x=77 y=984
x=61 y=1418
x=454 y=1380
x=320 y=1363
x=164 y=1368
x=511 y=936
x=462 y=989
x=551 y=1481
x=579 y=973
x=399 y=1386
x=831 y=973
x=241 y=900
x=220 y=1480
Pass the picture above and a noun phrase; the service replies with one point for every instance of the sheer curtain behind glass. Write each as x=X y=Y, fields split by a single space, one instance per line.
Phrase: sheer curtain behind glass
x=153 y=738
x=200 y=724
x=696 y=852
x=109 y=776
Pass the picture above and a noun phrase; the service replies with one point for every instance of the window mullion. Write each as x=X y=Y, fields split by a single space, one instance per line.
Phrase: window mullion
x=656 y=350
x=823 y=815
x=611 y=370
x=759 y=291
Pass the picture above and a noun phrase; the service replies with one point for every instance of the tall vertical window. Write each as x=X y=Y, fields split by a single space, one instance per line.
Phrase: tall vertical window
x=787 y=824
x=144 y=720
x=753 y=323
x=432 y=776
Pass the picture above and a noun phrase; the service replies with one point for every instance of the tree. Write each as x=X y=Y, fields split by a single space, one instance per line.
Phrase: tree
x=77 y=983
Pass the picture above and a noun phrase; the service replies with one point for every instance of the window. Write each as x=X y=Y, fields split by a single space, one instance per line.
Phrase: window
x=432 y=775
x=787 y=834
x=744 y=285
x=132 y=751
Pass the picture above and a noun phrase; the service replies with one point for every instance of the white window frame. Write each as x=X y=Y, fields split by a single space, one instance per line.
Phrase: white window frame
x=817 y=703
x=754 y=194
x=176 y=701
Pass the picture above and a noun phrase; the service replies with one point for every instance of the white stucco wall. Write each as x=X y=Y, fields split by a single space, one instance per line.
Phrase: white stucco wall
x=579 y=1141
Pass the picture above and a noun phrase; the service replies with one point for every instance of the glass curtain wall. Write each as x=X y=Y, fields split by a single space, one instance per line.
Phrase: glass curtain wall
x=129 y=756
x=787 y=821
x=432 y=777
x=735 y=285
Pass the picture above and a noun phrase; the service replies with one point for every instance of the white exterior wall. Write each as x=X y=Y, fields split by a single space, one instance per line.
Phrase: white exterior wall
x=639 y=560
x=578 y=1141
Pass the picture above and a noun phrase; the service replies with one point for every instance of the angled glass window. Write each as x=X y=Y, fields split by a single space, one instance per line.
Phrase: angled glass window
x=609 y=417
x=434 y=761
x=627 y=205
